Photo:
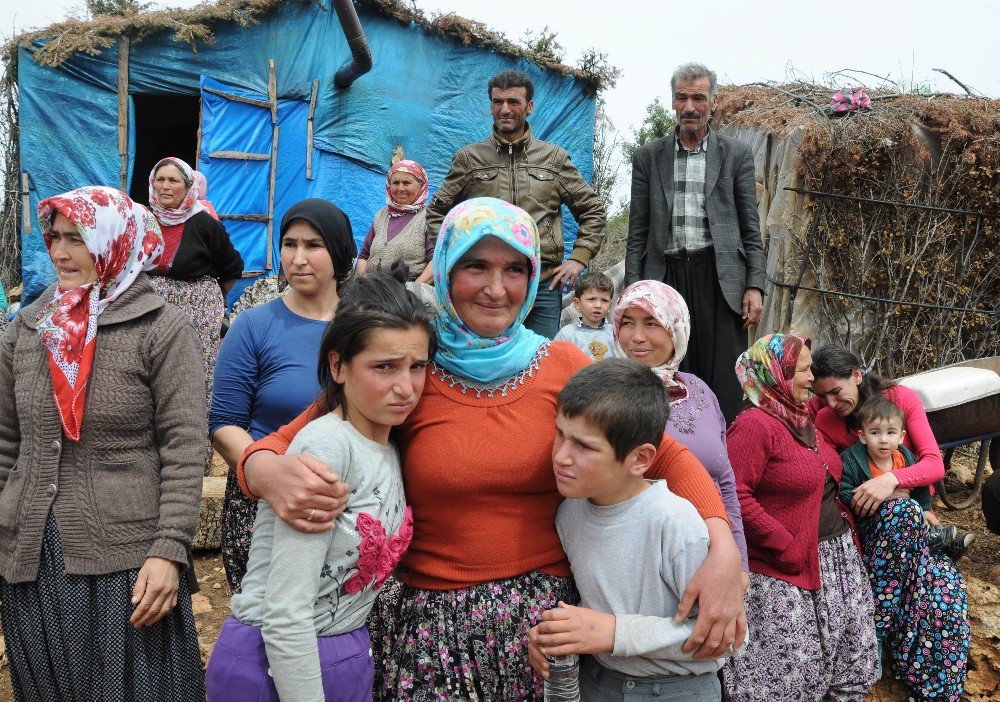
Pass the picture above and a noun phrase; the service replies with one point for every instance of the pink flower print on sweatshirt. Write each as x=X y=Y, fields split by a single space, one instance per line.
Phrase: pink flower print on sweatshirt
x=378 y=555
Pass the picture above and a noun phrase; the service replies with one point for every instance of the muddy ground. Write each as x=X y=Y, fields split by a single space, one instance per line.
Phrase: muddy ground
x=981 y=568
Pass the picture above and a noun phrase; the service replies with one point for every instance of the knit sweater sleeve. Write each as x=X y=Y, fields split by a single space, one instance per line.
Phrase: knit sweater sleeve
x=293 y=584
x=277 y=442
x=661 y=637
x=929 y=467
x=750 y=446
x=856 y=471
x=10 y=427
x=226 y=260
x=686 y=477
x=181 y=428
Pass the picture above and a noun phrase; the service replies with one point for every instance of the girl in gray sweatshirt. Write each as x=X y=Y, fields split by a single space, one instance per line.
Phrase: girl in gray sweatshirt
x=298 y=633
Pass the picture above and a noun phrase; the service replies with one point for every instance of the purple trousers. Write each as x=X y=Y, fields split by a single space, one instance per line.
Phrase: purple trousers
x=238 y=670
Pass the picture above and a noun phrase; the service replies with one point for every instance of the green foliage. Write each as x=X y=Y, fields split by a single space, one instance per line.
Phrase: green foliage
x=120 y=8
x=615 y=237
x=657 y=123
x=602 y=75
x=544 y=45
x=607 y=155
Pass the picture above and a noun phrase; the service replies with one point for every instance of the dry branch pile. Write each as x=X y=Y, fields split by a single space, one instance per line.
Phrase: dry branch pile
x=935 y=150
x=195 y=27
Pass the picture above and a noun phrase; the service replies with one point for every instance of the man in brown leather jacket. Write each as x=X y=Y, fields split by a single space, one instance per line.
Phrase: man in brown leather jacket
x=538 y=177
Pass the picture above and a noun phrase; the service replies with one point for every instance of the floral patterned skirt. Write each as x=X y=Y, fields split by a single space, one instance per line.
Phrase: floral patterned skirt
x=804 y=645
x=239 y=513
x=921 y=607
x=202 y=301
x=469 y=644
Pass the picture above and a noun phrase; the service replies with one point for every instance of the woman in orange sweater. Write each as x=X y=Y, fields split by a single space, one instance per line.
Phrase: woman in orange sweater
x=485 y=560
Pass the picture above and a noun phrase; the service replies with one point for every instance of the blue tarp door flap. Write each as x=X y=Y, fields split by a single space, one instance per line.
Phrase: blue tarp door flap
x=238 y=155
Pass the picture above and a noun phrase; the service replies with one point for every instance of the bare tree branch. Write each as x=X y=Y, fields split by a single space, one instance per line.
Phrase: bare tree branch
x=964 y=86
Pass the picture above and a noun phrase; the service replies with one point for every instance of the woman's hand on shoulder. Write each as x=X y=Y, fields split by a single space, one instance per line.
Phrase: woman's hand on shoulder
x=155 y=593
x=717 y=588
x=302 y=490
x=869 y=495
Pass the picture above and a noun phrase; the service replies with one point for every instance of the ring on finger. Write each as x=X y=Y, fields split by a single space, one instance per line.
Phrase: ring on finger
x=309 y=515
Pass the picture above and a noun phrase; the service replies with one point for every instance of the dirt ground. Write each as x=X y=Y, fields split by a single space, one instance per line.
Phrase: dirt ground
x=981 y=567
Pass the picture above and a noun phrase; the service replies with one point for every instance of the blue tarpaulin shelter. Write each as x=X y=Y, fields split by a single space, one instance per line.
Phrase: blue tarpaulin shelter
x=260 y=108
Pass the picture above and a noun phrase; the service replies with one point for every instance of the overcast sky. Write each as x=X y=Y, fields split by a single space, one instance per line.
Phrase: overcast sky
x=767 y=40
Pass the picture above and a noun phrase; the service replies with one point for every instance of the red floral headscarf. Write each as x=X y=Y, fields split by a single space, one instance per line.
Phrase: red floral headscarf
x=415 y=170
x=124 y=240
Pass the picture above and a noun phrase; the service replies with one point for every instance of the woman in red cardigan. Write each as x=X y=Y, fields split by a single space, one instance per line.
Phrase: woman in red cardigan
x=922 y=610
x=809 y=607
x=485 y=560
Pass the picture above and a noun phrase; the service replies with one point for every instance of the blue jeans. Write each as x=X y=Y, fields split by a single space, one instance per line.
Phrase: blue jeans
x=544 y=316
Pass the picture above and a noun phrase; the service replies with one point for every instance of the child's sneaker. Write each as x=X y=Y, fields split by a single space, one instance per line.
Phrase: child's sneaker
x=957 y=547
x=940 y=536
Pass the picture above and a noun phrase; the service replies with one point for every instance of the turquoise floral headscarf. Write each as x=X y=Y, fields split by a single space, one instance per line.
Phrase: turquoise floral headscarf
x=765 y=371
x=461 y=350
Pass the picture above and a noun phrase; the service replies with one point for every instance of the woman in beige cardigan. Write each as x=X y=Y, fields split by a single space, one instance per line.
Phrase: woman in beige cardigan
x=103 y=422
x=399 y=230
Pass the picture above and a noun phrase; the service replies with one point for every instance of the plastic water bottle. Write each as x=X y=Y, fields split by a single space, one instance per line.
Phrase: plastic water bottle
x=563 y=684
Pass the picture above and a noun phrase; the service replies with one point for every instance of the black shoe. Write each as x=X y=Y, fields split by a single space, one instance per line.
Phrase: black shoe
x=956 y=548
x=938 y=537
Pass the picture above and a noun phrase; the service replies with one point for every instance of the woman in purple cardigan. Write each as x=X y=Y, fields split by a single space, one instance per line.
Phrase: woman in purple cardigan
x=652 y=325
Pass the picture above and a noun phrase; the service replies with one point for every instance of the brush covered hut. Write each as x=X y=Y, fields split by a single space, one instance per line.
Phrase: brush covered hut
x=881 y=226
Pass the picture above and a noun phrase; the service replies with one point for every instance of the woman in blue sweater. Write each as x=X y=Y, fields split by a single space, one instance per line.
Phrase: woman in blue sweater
x=266 y=372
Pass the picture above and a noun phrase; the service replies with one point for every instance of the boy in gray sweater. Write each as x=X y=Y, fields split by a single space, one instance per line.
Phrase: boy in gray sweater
x=633 y=545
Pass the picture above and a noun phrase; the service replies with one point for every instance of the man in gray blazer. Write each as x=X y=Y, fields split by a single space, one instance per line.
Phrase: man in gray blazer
x=693 y=224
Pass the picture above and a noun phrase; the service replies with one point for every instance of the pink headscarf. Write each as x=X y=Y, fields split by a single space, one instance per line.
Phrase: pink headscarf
x=415 y=170
x=667 y=307
x=201 y=182
x=190 y=206
x=199 y=179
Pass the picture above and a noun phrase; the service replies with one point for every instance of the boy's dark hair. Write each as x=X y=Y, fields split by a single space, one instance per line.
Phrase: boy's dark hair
x=837 y=362
x=621 y=397
x=377 y=300
x=505 y=80
x=880 y=408
x=595 y=281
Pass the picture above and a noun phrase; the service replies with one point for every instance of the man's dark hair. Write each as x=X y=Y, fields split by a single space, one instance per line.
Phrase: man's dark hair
x=880 y=408
x=377 y=300
x=594 y=281
x=622 y=398
x=504 y=80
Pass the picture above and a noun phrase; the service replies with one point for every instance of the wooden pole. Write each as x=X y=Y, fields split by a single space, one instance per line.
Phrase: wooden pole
x=270 y=198
x=309 y=131
x=123 y=51
x=272 y=91
x=272 y=95
x=25 y=202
